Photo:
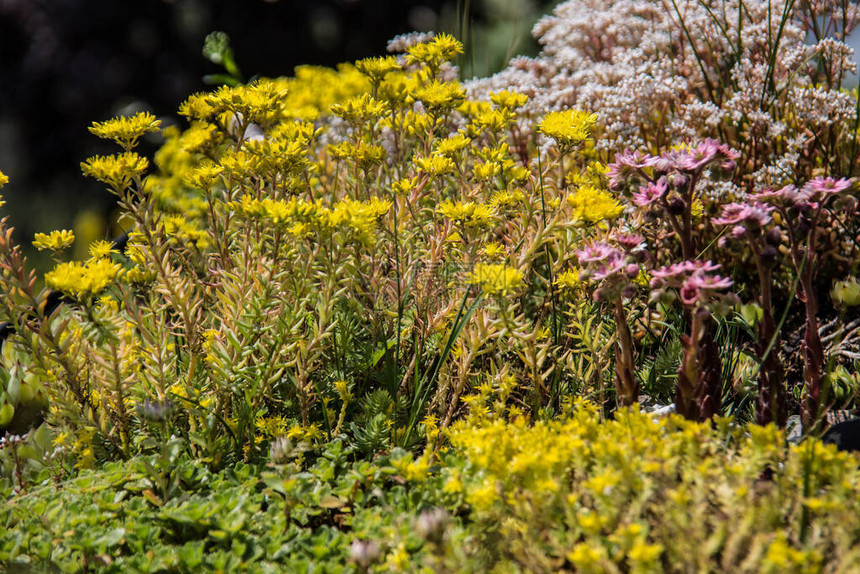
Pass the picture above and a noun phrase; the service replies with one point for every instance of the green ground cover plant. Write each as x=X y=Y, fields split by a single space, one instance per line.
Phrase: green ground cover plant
x=376 y=319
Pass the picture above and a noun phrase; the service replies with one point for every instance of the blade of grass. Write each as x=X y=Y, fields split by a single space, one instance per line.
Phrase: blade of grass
x=422 y=391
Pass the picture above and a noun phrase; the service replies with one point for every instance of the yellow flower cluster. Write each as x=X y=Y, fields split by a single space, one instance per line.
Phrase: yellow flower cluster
x=4 y=179
x=359 y=110
x=55 y=241
x=309 y=433
x=440 y=95
x=410 y=469
x=568 y=128
x=442 y=48
x=262 y=103
x=507 y=199
x=314 y=89
x=568 y=280
x=273 y=427
x=364 y=155
x=508 y=99
x=83 y=280
x=434 y=165
x=498 y=162
x=452 y=145
x=643 y=490
x=497 y=279
x=468 y=214
x=179 y=229
x=176 y=164
x=591 y=205
x=101 y=249
x=117 y=171
x=126 y=130
x=377 y=68
x=357 y=219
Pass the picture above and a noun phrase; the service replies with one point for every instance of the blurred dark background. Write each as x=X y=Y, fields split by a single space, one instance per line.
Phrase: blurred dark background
x=67 y=63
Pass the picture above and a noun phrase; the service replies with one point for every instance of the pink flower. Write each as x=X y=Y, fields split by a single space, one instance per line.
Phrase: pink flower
x=789 y=196
x=678 y=270
x=629 y=241
x=651 y=193
x=627 y=167
x=597 y=252
x=689 y=293
x=700 y=286
x=699 y=156
x=692 y=280
x=732 y=213
x=826 y=185
x=665 y=162
x=727 y=153
x=635 y=159
x=710 y=282
x=610 y=267
x=750 y=216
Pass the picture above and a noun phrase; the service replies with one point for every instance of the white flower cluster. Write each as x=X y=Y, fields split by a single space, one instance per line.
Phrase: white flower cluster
x=753 y=73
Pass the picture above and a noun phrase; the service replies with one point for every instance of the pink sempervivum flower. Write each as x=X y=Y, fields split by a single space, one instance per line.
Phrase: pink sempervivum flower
x=626 y=167
x=749 y=216
x=726 y=160
x=727 y=153
x=597 y=252
x=700 y=286
x=629 y=241
x=612 y=266
x=692 y=279
x=677 y=271
x=699 y=156
x=651 y=193
x=789 y=195
x=826 y=186
x=667 y=161
x=635 y=159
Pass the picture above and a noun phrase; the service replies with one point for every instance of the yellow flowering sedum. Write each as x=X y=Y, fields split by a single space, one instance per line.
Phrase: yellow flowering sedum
x=497 y=279
x=56 y=241
x=117 y=171
x=493 y=250
x=272 y=427
x=262 y=103
x=377 y=68
x=313 y=90
x=126 y=130
x=451 y=145
x=469 y=214
x=442 y=48
x=179 y=229
x=568 y=128
x=591 y=205
x=507 y=199
x=100 y=249
x=508 y=99
x=359 y=110
x=363 y=154
x=642 y=492
x=358 y=218
x=493 y=121
x=440 y=95
x=568 y=280
x=434 y=165
x=83 y=280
